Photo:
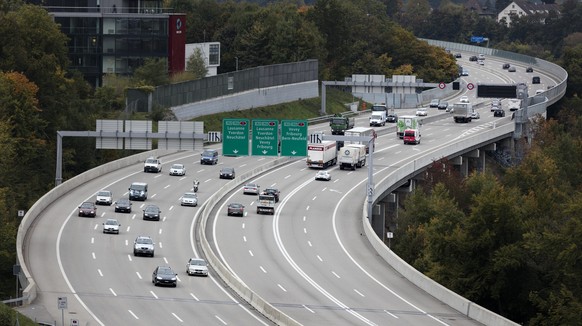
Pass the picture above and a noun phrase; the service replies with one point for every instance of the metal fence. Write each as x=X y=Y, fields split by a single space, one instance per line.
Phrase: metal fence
x=234 y=82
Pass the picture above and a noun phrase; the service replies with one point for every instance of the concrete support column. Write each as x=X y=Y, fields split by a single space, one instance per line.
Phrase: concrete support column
x=465 y=168
x=379 y=219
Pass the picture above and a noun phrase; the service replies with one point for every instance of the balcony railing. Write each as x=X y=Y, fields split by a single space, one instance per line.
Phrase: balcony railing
x=111 y=10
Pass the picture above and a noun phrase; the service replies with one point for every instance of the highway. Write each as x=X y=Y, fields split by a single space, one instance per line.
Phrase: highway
x=310 y=259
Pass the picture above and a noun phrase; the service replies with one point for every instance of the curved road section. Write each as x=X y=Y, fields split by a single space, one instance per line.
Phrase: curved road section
x=314 y=262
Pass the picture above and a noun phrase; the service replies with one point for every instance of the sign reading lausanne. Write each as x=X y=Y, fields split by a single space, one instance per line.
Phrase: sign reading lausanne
x=265 y=138
x=294 y=138
x=235 y=135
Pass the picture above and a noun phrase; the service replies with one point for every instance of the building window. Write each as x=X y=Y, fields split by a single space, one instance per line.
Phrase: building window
x=214 y=55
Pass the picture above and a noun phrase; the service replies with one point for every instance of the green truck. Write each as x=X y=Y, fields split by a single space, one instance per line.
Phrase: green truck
x=339 y=124
x=407 y=122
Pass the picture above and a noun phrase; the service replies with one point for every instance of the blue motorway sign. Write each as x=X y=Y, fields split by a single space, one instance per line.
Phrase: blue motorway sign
x=477 y=39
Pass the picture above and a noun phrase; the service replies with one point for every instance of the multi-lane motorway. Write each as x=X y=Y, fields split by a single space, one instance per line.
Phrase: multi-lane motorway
x=310 y=260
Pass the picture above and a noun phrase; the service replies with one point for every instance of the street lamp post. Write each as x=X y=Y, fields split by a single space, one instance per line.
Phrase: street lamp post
x=236 y=60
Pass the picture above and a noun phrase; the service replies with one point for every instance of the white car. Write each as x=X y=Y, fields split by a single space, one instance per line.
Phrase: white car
x=323 y=175
x=475 y=115
x=104 y=197
x=111 y=226
x=178 y=169
x=197 y=266
x=422 y=112
x=481 y=62
x=464 y=99
x=189 y=199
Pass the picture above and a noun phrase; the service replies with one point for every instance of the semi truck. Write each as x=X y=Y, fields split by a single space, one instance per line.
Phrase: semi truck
x=407 y=122
x=352 y=156
x=339 y=124
x=362 y=132
x=266 y=204
x=462 y=112
x=321 y=155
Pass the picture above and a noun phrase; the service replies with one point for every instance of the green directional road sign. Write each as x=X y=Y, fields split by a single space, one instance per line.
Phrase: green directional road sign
x=235 y=137
x=265 y=138
x=293 y=137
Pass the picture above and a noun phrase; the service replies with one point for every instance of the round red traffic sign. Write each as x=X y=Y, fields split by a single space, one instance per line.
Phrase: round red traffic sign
x=442 y=85
x=470 y=86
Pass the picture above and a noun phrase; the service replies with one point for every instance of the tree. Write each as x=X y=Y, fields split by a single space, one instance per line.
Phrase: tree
x=197 y=65
x=153 y=72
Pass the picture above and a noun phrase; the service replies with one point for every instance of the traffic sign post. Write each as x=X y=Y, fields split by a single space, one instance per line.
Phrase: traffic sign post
x=62 y=303
x=265 y=138
x=470 y=86
x=235 y=133
x=294 y=138
x=442 y=85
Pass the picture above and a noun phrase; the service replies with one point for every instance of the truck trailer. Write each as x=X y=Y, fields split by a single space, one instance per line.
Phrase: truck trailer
x=321 y=155
x=352 y=156
x=407 y=122
x=362 y=132
x=462 y=112
x=266 y=204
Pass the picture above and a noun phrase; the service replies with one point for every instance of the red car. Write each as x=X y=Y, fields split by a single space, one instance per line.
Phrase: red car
x=88 y=209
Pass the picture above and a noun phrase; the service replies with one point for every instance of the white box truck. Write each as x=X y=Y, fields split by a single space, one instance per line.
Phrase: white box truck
x=361 y=132
x=321 y=155
x=266 y=204
x=378 y=118
x=407 y=122
x=352 y=156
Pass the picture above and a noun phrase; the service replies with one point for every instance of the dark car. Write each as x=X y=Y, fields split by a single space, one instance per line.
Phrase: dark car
x=123 y=205
x=151 y=212
x=473 y=58
x=443 y=105
x=227 y=173
x=505 y=66
x=88 y=209
x=164 y=275
x=535 y=80
x=458 y=55
x=235 y=209
x=392 y=117
x=273 y=192
x=499 y=113
x=529 y=69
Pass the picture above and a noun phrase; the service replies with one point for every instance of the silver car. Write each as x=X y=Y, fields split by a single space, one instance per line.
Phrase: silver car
x=251 y=188
x=111 y=226
x=104 y=197
x=178 y=169
x=189 y=199
x=143 y=245
x=197 y=266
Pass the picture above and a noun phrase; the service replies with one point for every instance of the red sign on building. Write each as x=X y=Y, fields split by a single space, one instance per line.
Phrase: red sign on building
x=177 y=43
